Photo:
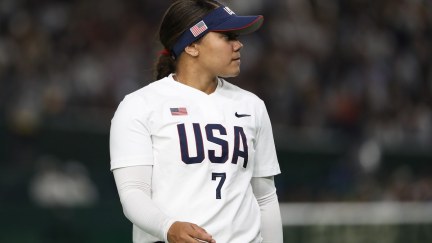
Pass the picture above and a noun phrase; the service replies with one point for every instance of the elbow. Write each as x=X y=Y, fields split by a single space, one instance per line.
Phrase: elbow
x=267 y=199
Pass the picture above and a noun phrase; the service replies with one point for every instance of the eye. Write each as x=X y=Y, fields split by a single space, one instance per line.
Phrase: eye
x=230 y=36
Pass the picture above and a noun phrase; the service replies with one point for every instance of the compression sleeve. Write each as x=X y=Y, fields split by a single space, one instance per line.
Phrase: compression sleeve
x=134 y=188
x=271 y=223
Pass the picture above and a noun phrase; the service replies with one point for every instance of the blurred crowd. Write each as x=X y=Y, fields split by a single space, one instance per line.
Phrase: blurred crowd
x=73 y=59
x=352 y=71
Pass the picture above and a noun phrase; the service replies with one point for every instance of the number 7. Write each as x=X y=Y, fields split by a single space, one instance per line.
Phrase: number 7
x=221 y=182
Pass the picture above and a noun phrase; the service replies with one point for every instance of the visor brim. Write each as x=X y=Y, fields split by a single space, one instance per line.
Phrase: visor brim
x=240 y=25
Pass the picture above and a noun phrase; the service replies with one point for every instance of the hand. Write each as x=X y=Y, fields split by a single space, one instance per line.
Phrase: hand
x=184 y=232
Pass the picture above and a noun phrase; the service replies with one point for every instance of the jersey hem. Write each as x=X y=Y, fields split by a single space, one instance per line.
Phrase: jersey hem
x=266 y=173
x=128 y=163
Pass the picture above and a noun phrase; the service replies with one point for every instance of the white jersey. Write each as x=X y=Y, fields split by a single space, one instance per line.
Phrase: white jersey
x=204 y=150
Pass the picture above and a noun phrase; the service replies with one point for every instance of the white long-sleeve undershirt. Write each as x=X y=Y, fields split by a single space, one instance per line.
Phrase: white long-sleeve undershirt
x=134 y=188
x=271 y=223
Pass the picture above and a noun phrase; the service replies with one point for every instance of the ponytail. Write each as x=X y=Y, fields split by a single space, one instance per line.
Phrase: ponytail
x=165 y=65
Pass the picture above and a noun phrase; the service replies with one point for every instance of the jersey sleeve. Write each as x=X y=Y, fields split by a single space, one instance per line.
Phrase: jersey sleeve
x=130 y=139
x=266 y=162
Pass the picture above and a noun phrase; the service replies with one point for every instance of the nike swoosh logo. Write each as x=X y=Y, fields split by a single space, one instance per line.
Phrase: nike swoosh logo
x=241 y=115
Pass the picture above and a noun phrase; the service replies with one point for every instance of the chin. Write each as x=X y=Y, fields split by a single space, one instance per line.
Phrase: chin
x=230 y=74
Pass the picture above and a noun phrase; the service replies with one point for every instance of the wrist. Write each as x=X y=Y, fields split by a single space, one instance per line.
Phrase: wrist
x=166 y=226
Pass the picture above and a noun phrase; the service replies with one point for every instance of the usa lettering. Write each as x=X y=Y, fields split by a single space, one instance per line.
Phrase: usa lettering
x=240 y=147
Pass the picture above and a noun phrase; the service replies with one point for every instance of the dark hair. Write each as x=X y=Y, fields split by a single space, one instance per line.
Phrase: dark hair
x=181 y=15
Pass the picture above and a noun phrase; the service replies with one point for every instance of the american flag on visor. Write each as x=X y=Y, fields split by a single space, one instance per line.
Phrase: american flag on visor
x=181 y=111
x=198 y=28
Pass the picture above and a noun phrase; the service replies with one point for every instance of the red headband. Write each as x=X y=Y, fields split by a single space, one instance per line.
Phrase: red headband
x=165 y=52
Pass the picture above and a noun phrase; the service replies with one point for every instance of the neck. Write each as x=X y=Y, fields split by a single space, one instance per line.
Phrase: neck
x=198 y=79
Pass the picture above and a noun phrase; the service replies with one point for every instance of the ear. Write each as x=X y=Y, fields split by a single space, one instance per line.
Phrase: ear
x=192 y=50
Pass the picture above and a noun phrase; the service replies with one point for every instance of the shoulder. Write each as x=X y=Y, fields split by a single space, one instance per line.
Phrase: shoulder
x=235 y=92
x=150 y=93
x=141 y=100
x=155 y=88
x=246 y=99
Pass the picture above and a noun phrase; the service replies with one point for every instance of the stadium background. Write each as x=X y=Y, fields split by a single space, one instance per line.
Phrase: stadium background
x=347 y=83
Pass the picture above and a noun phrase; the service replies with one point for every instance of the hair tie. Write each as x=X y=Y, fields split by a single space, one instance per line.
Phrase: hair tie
x=165 y=52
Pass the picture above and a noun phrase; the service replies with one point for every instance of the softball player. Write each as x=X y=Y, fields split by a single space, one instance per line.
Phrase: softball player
x=193 y=155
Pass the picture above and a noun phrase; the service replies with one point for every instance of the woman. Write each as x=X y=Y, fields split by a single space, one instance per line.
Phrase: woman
x=193 y=156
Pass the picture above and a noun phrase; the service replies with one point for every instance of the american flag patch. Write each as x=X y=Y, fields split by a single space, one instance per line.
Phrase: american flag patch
x=198 y=28
x=181 y=111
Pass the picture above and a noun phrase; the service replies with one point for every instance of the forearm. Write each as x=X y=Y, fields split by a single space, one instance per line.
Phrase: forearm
x=134 y=187
x=271 y=222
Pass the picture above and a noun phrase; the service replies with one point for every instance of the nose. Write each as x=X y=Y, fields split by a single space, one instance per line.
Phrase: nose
x=238 y=45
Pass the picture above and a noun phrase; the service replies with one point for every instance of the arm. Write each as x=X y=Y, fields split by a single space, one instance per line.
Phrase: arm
x=134 y=188
x=271 y=222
